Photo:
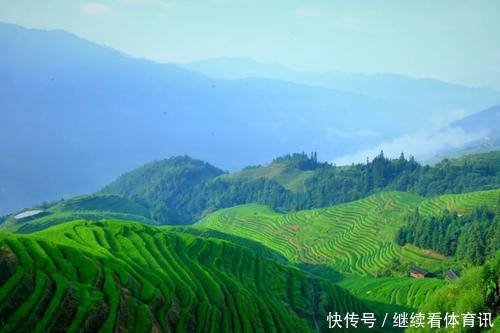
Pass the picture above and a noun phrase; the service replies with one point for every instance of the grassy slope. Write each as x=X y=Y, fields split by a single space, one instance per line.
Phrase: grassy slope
x=97 y=206
x=293 y=179
x=115 y=275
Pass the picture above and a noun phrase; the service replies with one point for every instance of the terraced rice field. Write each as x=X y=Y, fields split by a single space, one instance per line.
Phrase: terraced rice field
x=461 y=203
x=101 y=202
x=408 y=293
x=119 y=276
x=357 y=237
x=95 y=207
x=227 y=274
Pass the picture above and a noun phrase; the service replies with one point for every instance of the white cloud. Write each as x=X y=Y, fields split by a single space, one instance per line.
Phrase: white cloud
x=95 y=8
x=445 y=118
x=310 y=12
x=422 y=145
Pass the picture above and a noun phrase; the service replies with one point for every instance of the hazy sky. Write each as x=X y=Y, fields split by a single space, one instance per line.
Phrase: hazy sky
x=452 y=40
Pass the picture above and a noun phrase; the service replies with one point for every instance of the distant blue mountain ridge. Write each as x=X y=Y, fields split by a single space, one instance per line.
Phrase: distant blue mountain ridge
x=429 y=95
x=75 y=114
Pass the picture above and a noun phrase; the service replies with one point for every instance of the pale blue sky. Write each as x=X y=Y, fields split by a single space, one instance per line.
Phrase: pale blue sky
x=456 y=41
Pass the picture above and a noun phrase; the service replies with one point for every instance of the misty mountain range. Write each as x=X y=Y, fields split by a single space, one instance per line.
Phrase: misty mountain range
x=425 y=95
x=74 y=115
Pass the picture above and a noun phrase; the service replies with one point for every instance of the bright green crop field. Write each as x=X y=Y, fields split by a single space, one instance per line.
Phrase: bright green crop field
x=356 y=237
x=98 y=264
x=118 y=276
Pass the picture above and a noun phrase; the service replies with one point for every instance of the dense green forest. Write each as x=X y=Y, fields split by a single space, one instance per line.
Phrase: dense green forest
x=473 y=237
x=181 y=190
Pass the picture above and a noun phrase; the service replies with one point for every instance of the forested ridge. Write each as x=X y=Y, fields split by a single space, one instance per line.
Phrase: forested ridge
x=180 y=190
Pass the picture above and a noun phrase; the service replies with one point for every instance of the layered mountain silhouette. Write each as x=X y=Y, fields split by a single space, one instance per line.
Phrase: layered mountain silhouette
x=74 y=115
x=427 y=95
